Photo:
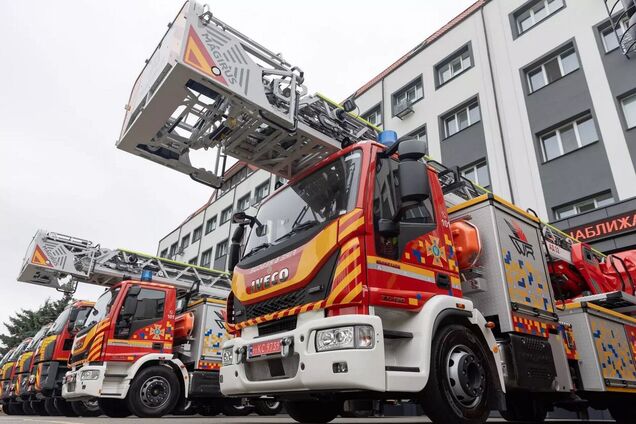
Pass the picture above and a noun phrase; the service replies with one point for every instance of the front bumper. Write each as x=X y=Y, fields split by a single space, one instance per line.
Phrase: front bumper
x=75 y=388
x=305 y=369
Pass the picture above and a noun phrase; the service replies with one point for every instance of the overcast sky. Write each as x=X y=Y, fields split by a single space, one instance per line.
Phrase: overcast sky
x=66 y=71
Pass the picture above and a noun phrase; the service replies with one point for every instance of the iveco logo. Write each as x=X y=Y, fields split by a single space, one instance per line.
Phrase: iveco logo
x=269 y=280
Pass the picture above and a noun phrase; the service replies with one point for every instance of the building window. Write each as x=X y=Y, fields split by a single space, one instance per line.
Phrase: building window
x=173 y=249
x=196 y=234
x=461 y=119
x=569 y=137
x=477 y=173
x=206 y=258
x=552 y=69
x=193 y=261
x=210 y=225
x=243 y=203
x=226 y=214
x=407 y=96
x=221 y=249
x=610 y=38
x=374 y=116
x=419 y=133
x=591 y=203
x=454 y=66
x=629 y=110
x=261 y=192
x=536 y=12
x=280 y=181
x=185 y=241
x=164 y=253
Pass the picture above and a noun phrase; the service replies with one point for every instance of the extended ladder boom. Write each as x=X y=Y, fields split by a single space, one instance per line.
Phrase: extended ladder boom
x=52 y=258
x=208 y=86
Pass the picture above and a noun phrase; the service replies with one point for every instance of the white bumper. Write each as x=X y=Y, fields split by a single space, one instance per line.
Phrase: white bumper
x=306 y=369
x=111 y=382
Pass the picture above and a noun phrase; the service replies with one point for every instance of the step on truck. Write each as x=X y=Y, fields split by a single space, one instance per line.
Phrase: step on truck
x=152 y=341
x=376 y=272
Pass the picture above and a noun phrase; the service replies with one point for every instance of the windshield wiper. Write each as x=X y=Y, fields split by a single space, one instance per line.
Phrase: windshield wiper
x=256 y=249
x=298 y=228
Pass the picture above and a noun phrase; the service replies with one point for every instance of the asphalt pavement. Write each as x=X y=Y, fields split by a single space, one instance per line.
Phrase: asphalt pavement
x=252 y=419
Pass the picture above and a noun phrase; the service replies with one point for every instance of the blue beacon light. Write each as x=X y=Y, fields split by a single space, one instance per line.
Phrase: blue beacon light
x=387 y=137
x=146 y=275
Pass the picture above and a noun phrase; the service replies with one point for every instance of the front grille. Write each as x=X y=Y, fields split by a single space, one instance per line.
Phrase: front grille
x=276 y=304
x=278 y=326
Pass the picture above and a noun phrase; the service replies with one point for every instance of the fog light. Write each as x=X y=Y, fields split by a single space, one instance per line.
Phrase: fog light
x=340 y=367
x=227 y=356
x=365 y=337
x=89 y=375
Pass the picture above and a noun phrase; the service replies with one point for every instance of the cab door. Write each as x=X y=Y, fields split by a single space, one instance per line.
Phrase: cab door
x=144 y=323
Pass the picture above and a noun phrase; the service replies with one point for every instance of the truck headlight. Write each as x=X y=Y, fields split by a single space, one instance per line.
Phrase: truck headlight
x=353 y=337
x=227 y=357
x=89 y=375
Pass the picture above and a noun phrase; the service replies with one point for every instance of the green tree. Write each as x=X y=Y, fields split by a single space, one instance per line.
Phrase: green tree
x=25 y=323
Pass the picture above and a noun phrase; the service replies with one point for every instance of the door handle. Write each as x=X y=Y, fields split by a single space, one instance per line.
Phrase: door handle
x=157 y=346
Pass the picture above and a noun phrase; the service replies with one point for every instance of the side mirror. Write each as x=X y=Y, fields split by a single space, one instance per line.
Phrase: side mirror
x=235 y=247
x=71 y=319
x=413 y=172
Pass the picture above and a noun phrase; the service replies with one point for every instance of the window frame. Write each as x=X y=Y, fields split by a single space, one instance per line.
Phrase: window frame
x=577 y=203
x=202 y=261
x=194 y=261
x=607 y=27
x=541 y=64
x=404 y=89
x=207 y=224
x=632 y=96
x=229 y=217
x=448 y=60
x=164 y=253
x=475 y=166
x=224 y=244
x=185 y=241
x=529 y=7
x=174 y=248
x=243 y=199
x=197 y=233
x=557 y=131
x=377 y=109
x=454 y=114
x=258 y=199
x=418 y=130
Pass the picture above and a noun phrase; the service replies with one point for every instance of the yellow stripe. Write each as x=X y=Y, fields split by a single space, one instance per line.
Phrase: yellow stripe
x=604 y=310
x=347 y=261
x=305 y=308
x=620 y=389
x=352 y=294
x=402 y=266
x=344 y=283
x=468 y=203
x=350 y=244
x=352 y=227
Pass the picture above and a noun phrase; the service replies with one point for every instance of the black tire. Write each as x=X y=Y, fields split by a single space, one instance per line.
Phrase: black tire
x=38 y=407
x=232 y=407
x=49 y=406
x=64 y=407
x=522 y=407
x=622 y=413
x=86 y=408
x=209 y=409
x=268 y=407
x=114 y=408
x=26 y=407
x=313 y=411
x=459 y=380
x=15 y=408
x=154 y=392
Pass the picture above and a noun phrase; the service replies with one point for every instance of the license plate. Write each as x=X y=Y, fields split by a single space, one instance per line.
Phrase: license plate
x=269 y=347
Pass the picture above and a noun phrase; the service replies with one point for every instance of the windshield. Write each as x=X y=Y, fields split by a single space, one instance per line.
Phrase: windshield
x=59 y=323
x=18 y=350
x=101 y=308
x=317 y=198
x=38 y=336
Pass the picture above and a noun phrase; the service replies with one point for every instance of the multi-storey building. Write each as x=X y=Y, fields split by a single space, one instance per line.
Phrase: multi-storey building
x=535 y=100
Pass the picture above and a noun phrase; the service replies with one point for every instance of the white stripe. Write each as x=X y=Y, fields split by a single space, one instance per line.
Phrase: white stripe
x=402 y=272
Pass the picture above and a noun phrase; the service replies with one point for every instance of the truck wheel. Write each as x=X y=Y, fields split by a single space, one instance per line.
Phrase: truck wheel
x=268 y=406
x=114 y=408
x=236 y=408
x=154 y=392
x=26 y=407
x=457 y=389
x=313 y=411
x=38 y=407
x=522 y=407
x=64 y=407
x=622 y=414
x=86 y=408
x=49 y=406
